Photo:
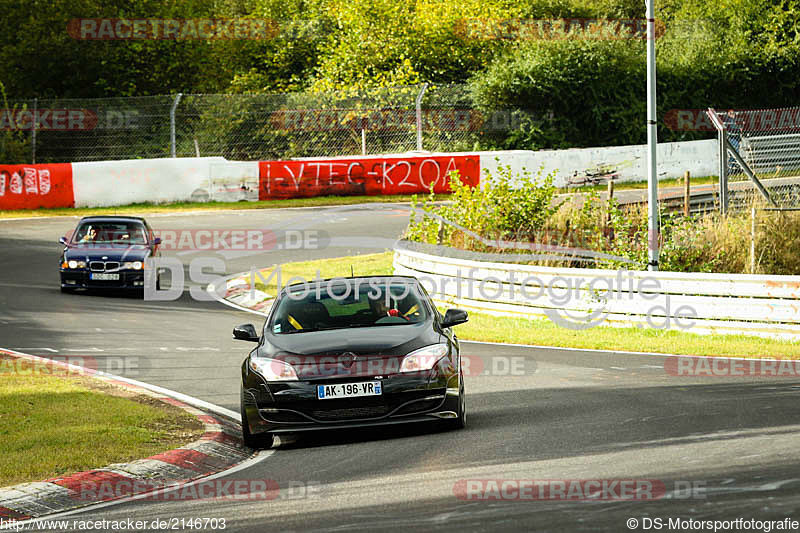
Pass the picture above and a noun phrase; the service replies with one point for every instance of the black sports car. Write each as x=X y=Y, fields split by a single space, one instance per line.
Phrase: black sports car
x=107 y=253
x=352 y=352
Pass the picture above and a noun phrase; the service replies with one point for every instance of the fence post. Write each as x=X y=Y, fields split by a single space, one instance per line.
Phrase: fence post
x=752 y=240
x=363 y=141
x=419 y=115
x=687 y=194
x=172 y=123
x=33 y=130
x=723 y=172
x=609 y=232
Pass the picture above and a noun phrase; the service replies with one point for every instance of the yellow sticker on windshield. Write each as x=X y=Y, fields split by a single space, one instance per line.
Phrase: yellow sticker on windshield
x=294 y=322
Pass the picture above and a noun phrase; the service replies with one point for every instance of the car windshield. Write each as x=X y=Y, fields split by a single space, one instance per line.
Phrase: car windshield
x=356 y=303
x=110 y=233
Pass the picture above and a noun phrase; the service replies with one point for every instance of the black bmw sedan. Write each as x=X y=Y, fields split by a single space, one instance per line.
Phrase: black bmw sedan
x=353 y=352
x=107 y=252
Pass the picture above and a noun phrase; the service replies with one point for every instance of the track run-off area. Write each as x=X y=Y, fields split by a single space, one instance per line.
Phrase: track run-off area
x=714 y=448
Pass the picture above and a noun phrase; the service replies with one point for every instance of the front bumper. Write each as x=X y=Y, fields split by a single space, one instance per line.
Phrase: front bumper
x=291 y=407
x=81 y=279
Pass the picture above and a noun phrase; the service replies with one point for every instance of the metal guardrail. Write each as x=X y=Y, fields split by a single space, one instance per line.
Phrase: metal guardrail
x=579 y=298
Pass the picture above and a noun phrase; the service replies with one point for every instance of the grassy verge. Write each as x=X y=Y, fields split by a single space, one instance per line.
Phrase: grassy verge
x=52 y=424
x=149 y=208
x=484 y=327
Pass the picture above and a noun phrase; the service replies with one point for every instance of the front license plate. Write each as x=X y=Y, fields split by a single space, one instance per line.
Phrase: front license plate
x=104 y=276
x=349 y=390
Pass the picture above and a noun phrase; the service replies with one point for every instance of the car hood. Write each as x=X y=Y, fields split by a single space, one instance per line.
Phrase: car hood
x=110 y=252
x=352 y=351
x=364 y=340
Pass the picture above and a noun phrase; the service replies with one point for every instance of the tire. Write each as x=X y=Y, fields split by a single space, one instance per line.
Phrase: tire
x=460 y=422
x=253 y=441
x=67 y=290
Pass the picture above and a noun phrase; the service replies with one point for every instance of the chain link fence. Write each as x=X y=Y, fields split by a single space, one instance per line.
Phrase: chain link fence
x=759 y=157
x=253 y=127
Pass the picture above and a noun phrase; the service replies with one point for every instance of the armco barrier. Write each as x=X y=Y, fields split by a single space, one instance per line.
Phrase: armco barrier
x=766 y=306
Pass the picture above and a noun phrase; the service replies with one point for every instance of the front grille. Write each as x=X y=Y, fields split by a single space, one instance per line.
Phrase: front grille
x=282 y=417
x=419 y=407
x=101 y=266
x=349 y=413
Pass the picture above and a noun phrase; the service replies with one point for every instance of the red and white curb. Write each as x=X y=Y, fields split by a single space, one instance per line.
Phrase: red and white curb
x=236 y=291
x=218 y=449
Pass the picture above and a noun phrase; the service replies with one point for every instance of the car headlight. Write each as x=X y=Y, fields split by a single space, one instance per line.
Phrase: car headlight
x=424 y=358
x=135 y=265
x=272 y=369
x=73 y=264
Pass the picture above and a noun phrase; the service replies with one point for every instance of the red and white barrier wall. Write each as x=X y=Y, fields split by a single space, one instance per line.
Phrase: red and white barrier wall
x=377 y=175
x=108 y=183
x=35 y=186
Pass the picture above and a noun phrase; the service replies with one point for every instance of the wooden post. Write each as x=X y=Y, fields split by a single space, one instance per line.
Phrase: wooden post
x=687 y=194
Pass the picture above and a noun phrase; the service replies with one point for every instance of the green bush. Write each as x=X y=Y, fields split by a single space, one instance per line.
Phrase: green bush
x=523 y=208
x=507 y=206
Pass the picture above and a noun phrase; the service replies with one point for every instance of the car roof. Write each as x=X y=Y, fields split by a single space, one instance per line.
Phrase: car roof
x=314 y=282
x=112 y=218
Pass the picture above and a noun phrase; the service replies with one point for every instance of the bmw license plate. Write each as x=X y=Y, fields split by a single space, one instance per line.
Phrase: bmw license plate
x=349 y=390
x=104 y=276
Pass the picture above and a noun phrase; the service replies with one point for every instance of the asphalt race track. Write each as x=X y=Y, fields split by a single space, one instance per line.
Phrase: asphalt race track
x=570 y=415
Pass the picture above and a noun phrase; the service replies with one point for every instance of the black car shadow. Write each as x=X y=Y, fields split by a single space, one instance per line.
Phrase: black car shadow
x=328 y=437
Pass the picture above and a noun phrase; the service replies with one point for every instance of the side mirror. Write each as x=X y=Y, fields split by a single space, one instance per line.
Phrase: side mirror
x=63 y=240
x=156 y=241
x=245 y=332
x=454 y=317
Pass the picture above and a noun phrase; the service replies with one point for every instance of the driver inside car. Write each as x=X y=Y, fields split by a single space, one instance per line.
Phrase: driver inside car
x=383 y=312
x=90 y=236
